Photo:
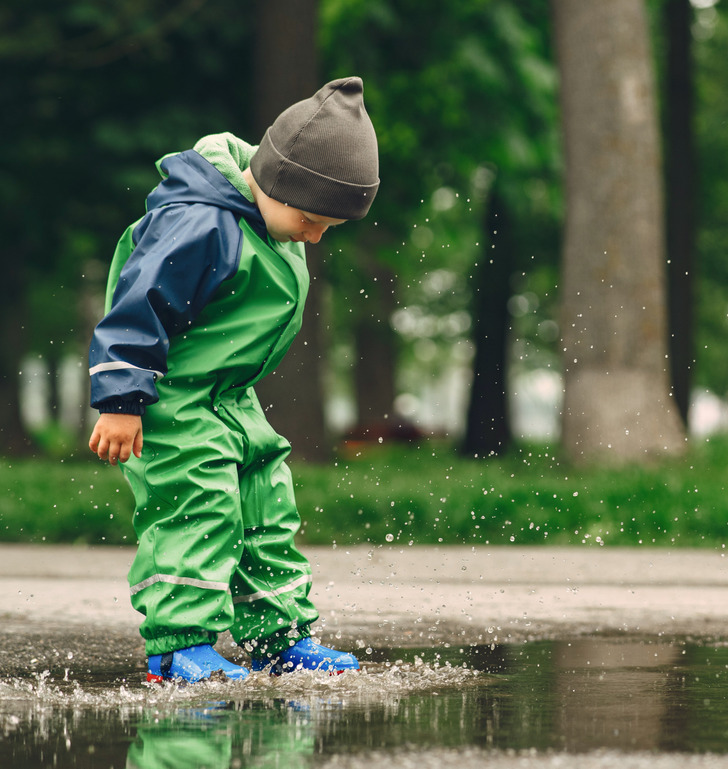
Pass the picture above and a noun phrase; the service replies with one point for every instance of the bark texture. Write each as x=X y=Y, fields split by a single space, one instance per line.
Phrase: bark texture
x=617 y=401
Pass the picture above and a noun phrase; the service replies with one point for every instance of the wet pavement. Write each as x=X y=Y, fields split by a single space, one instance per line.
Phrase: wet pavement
x=505 y=657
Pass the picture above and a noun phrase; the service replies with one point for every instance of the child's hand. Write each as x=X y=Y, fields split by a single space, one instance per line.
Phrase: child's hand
x=116 y=436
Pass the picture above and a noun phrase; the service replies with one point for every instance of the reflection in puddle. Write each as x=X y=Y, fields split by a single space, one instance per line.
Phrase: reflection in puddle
x=573 y=697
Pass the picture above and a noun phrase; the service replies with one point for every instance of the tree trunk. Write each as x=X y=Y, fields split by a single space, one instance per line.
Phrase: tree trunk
x=680 y=176
x=487 y=430
x=285 y=63
x=617 y=404
x=375 y=363
x=14 y=437
x=286 y=71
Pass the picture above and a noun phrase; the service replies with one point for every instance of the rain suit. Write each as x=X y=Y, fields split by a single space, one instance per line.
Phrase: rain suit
x=201 y=304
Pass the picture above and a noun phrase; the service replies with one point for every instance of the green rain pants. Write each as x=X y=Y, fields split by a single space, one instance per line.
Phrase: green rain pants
x=215 y=519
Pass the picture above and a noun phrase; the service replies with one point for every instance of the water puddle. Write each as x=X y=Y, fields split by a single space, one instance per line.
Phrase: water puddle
x=518 y=704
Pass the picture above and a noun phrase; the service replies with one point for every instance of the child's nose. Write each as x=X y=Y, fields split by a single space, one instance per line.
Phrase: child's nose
x=315 y=232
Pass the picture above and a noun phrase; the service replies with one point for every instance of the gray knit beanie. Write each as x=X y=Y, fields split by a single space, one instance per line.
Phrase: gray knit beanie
x=320 y=155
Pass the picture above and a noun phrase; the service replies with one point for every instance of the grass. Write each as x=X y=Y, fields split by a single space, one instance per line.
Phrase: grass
x=419 y=495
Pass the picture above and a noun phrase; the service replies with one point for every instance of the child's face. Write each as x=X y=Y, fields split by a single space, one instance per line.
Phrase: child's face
x=286 y=223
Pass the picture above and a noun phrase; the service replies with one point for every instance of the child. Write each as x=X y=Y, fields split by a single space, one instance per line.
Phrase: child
x=205 y=295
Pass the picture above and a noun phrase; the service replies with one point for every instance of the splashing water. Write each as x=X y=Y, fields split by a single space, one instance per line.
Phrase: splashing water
x=584 y=702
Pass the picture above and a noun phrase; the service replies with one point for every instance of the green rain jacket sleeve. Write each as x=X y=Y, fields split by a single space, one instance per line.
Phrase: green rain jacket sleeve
x=181 y=255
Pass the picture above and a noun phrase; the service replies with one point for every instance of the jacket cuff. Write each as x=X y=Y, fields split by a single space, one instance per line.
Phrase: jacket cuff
x=121 y=406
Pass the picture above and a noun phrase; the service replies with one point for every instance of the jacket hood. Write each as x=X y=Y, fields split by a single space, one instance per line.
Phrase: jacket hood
x=211 y=173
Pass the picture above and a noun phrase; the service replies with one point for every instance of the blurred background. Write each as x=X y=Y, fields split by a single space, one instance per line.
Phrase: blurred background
x=441 y=314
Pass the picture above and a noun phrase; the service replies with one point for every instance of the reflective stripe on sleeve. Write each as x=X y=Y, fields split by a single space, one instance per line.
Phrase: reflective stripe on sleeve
x=115 y=365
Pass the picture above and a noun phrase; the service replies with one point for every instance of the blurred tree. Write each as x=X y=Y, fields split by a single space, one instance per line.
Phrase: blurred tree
x=710 y=38
x=452 y=88
x=286 y=71
x=488 y=426
x=93 y=95
x=617 y=404
x=516 y=225
x=680 y=194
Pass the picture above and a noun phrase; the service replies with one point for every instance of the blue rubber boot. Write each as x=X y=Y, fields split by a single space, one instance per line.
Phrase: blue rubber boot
x=192 y=665
x=307 y=655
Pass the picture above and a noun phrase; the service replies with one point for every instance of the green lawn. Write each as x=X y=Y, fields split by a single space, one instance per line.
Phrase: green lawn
x=420 y=495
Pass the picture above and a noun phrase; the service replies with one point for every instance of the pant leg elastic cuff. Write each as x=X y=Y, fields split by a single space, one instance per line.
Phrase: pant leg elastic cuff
x=175 y=641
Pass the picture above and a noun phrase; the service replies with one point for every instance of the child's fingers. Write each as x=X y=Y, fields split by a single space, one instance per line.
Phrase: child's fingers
x=93 y=441
x=115 y=437
x=100 y=447
x=124 y=451
x=111 y=450
x=117 y=453
x=138 y=444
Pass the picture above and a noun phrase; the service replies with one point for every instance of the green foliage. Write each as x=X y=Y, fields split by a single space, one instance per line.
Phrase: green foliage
x=450 y=87
x=54 y=440
x=528 y=497
x=463 y=96
x=462 y=93
x=93 y=94
x=417 y=495
x=709 y=40
x=64 y=501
